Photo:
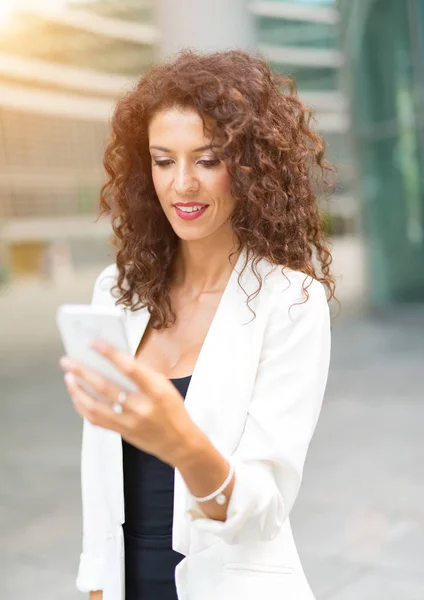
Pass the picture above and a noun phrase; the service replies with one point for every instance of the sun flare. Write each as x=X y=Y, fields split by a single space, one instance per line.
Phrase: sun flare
x=6 y=13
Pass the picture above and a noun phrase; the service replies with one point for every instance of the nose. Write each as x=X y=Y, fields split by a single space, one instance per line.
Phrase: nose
x=185 y=181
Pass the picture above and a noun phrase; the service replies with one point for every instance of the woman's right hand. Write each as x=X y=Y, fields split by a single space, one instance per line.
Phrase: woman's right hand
x=96 y=595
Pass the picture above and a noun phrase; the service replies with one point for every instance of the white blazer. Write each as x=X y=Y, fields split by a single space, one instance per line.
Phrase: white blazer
x=256 y=391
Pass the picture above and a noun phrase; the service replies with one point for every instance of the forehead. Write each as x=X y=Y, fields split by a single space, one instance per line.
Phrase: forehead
x=174 y=123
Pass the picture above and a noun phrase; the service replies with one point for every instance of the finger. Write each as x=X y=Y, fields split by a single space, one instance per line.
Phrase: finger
x=94 y=411
x=95 y=381
x=148 y=380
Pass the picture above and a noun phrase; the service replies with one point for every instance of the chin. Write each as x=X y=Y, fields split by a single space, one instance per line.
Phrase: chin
x=191 y=232
x=190 y=237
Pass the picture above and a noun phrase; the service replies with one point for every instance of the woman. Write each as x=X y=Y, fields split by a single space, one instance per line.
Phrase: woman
x=188 y=484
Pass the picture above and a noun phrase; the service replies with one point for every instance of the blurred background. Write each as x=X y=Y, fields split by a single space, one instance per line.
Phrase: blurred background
x=359 y=519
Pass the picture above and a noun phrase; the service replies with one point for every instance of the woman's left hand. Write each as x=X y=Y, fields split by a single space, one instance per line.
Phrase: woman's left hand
x=153 y=419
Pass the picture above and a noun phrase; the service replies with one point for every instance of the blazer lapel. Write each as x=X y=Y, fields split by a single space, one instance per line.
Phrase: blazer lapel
x=136 y=323
x=221 y=374
x=222 y=381
x=217 y=396
x=223 y=378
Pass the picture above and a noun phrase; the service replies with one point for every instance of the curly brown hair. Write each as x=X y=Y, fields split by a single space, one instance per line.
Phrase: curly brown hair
x=275 y=158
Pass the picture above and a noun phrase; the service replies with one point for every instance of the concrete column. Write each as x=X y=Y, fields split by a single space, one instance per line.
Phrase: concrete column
x=205 y=25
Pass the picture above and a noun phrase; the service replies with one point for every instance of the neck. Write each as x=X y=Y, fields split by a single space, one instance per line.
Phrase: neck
x=203 y=266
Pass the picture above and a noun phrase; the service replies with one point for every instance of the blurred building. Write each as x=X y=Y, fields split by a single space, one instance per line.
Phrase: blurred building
x=61 y=68
x=302 y=38
x=383 y=42
x=60 y=71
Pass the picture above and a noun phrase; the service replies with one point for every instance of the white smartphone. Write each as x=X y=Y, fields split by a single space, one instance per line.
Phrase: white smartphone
x=81 y=324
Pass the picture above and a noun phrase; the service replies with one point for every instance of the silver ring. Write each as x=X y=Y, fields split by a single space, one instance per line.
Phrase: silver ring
x=117 y=406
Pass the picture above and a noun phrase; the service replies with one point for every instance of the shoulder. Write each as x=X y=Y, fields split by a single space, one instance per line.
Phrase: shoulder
x=286 y=285
x=297 y=311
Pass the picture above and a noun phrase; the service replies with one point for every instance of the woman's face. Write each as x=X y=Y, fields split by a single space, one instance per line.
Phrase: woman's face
x=187 y=172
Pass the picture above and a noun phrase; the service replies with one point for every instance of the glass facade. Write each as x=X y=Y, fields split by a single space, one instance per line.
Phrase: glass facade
x=311 y=2
x=310 y=78
x=384 y=44
x=306 y=32
x=308 y=39
x=302 y=34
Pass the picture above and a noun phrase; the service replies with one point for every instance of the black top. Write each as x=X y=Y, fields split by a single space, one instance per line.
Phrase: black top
x=149 y=487
x=149 y=505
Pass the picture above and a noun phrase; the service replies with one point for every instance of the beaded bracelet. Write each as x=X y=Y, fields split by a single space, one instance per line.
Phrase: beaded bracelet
x=220 y=498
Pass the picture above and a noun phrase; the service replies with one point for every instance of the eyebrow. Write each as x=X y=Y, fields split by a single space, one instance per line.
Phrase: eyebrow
x=208 y=147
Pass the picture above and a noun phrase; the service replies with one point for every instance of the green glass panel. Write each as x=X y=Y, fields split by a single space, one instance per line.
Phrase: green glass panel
x=389 y=130
x=310 y=78
x=311 y=2
x=285 y=32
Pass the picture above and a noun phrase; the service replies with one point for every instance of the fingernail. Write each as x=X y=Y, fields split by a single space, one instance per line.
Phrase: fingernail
x=100 y=345
x=69 y=378
x=66 y=363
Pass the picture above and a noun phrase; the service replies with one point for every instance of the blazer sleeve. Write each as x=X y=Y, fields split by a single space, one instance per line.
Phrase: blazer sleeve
x=281 y=419
x=96 y=520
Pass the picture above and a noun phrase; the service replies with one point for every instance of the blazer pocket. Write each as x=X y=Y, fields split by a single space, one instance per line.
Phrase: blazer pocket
x=235 y=566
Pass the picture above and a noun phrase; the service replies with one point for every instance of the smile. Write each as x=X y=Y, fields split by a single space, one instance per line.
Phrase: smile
x=189 y=213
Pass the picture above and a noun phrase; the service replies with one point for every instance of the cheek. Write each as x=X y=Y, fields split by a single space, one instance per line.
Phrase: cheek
x=157 y=179
x=161 y=187
x=222 y=185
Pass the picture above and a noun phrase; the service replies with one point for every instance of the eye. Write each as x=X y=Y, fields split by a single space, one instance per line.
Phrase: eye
x=206 y=163
x=162 y=163
x=209 y=163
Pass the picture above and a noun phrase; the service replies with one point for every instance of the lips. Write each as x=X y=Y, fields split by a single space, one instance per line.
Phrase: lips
x=191 y=215
x=189 y=204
